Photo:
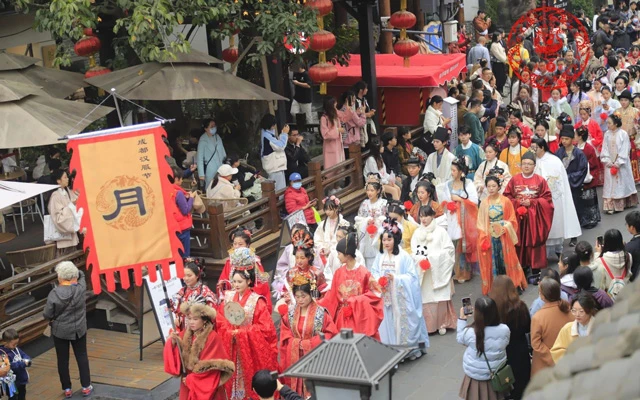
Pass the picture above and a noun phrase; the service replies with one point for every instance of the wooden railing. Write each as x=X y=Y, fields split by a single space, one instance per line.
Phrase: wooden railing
x=24 y=313
x=212 y=230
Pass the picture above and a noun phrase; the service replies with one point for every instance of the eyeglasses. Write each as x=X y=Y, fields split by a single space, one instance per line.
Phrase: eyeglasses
x=577 y=312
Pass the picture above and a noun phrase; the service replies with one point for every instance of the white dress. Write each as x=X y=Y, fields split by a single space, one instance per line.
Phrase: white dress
x=433 y=242
x=621 y=185
x=483 y=171
x=442 y=172
x=324 y=237
x=369 y=244
x=453 y=225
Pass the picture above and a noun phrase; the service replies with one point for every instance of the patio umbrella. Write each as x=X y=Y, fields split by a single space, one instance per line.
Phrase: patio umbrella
x=187 y=78
x=54 y=82
x=28 y=119
x=14 y=192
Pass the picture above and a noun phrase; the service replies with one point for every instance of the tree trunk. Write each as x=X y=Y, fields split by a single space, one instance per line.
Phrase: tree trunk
x=386 y=38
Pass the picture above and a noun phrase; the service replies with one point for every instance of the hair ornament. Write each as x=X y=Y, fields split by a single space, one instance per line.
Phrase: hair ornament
x=302 y=239
x=373 y=178
x=391 y=225
x=242 y=259
x=333 y=199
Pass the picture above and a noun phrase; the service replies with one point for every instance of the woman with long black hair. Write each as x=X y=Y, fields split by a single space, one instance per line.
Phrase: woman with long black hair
x=461 y=198
x=613 y=264
x=486 y=341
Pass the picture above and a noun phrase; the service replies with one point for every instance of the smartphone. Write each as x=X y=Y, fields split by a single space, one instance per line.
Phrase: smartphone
x=466 y=304
x=600 y=240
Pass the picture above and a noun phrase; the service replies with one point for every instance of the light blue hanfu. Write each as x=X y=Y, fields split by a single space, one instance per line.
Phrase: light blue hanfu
x=210 y=153
x=403 y=323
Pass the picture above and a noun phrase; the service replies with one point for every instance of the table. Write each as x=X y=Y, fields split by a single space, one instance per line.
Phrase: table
x=6 y=237
x=12 y=175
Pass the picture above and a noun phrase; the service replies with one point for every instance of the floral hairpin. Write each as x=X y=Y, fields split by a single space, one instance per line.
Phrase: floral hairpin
x=302 y=239
x=332 y=199
x=390 y=225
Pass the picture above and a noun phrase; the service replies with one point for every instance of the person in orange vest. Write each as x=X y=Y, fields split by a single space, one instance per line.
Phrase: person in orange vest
x=183 y=203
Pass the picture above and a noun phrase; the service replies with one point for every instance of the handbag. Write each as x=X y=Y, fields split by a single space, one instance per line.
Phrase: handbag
x=51 y=233
x=502 y=378
x=198 y=204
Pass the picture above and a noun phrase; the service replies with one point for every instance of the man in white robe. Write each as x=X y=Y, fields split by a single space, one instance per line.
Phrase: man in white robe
x=439 y=162
x=565 y=223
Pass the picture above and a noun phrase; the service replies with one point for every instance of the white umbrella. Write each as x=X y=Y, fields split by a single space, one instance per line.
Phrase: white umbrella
x=14 y=192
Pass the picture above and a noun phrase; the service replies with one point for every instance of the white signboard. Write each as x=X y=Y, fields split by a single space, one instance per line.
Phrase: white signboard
x=161 y=309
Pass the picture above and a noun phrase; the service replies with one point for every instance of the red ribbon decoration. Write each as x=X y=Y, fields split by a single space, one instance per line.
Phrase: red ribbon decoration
x=522 y=211
x=383 y=281
x=452 y=206
x=614 y=170
x=604 y=116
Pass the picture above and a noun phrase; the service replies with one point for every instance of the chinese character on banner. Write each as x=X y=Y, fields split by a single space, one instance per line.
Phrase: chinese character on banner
x=121 y=175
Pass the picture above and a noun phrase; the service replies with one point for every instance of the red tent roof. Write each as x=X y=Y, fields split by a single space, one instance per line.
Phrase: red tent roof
x=426 y=70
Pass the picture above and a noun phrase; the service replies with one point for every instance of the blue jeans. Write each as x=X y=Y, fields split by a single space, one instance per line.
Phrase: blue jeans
x=185 y=238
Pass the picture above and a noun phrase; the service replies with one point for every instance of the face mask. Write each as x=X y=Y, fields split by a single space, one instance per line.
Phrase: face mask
x=296 y=185
x=481 y=111
x=213 y=130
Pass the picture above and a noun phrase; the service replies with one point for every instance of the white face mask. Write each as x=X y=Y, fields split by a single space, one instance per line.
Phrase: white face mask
x=213 y=130
x=481 y=111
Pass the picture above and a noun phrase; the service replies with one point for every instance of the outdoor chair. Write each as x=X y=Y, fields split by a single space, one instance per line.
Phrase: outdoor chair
x=8 y=211
x=22 y=260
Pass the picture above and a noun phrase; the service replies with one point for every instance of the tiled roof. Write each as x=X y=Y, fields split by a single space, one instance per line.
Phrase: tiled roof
x=356 y=359
x=604 y=365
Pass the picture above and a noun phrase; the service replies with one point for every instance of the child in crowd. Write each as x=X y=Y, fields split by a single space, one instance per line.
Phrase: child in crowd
x=19 y=362
x=325 y=235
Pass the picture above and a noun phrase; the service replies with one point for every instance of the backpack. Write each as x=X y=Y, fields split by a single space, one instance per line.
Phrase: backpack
x=617 y=282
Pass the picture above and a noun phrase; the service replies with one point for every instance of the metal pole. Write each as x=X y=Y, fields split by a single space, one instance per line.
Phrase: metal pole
x=368 y=53
x=115 y=101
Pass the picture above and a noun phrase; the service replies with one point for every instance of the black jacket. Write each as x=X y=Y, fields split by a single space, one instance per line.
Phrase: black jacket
x=287 y=393
x=297 y=160
x=633 y=247
x=600 y=39
x=406 y=191
x=240 y=177
x=66 y=308
x=391 y=160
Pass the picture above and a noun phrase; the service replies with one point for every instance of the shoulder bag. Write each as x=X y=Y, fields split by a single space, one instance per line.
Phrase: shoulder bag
x=47 y=330
x=502 y=378
x=198 y=204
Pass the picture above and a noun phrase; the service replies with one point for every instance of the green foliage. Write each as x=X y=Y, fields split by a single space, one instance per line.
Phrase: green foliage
x=148 y=26
x=492 y=7
x=584 y=5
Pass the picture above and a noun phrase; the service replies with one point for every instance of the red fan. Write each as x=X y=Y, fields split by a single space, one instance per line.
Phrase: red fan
x=604 y=116
x=347 y=311
x=425 y=264
x=614 y=170
x=383 y=281
x=522 y=211
x=486 y=245
x=408 y=205
x=452 y=206
x=283 y=309
x=372 y=229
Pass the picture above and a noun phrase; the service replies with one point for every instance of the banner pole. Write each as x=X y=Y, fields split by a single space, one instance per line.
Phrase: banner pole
x=115 y=101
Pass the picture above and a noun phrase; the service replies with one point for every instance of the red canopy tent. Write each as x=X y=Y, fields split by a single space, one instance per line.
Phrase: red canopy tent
x=403 y=92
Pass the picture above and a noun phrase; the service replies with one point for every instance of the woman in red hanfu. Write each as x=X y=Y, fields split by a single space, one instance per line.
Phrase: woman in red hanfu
x=193 y=291
x=351 y=301
x=301 y=327
x=241 y=237
x=595 y=133
x=206 y=362
x=245 y=327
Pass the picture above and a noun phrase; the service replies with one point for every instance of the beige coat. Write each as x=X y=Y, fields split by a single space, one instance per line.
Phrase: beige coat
x=62 y=216
x=223 y=190
x=545 y=326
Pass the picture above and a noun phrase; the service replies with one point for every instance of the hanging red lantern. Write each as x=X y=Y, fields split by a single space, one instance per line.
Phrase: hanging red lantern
x=96 y=71
x=324 y=7
x=230 y=54
x=322 y=41
x=402 y=19
x=87 y=46
x=323 y=72
x=88 y=31
x=406 y=48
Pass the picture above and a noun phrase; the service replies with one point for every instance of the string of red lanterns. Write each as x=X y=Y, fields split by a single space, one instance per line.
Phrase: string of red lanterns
x=231 y=53
x=322 y=41
x=403 y=19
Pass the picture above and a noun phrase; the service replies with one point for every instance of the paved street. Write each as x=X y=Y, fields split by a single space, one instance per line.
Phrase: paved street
x=438 y=375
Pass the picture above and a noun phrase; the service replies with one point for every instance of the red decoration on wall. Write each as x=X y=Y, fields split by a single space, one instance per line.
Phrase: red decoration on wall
x=230 y=54
x=96 y=71
x=322 y=41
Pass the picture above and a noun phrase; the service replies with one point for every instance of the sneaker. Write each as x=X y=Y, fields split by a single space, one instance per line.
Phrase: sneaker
x=442 y=331
x=87 y=391
x=573 y=242
x=68 y=393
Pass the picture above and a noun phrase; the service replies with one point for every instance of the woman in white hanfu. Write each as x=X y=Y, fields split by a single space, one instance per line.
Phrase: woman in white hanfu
x=433 y=251
x=619 y=191
x=368 y=221
x=397 y=278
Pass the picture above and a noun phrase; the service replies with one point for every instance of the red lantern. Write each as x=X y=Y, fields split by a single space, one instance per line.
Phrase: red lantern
x=402 y=19
x=322 y=41
x=230 y=54
x=96 y=71
x=88 y=31
x=87 y=46
x=521 y=211
x=324 y=7
x=323 y=72
x=406 y=48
